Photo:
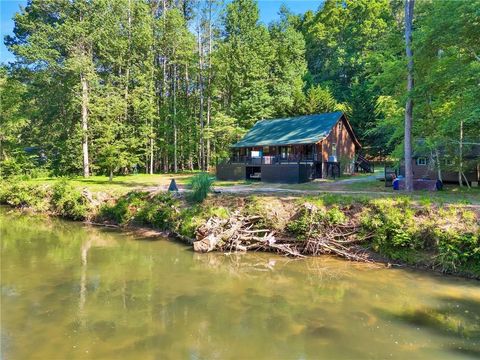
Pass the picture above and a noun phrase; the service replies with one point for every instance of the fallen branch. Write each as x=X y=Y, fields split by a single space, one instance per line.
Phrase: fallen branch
x=238 y=233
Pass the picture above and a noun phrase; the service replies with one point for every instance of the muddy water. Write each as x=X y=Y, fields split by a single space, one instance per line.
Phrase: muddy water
x=74 y=292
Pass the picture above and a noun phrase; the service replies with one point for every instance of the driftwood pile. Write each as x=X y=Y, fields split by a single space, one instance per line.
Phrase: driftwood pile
x=239 y=233
x=242 y=233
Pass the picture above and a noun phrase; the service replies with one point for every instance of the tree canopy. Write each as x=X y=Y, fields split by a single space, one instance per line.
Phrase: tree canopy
x=116 y=86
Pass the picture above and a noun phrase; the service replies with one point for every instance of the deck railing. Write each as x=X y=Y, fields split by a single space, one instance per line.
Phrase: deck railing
x=273 y=159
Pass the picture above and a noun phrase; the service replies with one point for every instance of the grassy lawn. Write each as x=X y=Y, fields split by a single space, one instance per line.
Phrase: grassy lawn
x=366 y=184
x=121 y=184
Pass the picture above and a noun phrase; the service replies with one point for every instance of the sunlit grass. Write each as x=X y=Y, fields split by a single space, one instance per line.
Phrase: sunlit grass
x=365 y=187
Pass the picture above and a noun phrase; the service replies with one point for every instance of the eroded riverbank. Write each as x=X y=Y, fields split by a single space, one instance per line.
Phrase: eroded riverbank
x=439 y=237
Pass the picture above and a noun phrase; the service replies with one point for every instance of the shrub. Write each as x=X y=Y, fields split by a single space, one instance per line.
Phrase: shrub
x=201 y=185
x=68 y=201
x=125 y=208
x=189 y=219
x=159 y=211
x=458 y=251
x=23 y=195
x=393 y=228
x=335 y=216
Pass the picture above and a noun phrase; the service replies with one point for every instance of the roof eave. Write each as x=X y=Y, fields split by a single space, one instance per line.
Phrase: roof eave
x=281 y=144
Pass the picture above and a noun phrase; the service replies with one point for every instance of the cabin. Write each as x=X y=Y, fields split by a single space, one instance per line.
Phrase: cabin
x=294 y=150
x=425 y=163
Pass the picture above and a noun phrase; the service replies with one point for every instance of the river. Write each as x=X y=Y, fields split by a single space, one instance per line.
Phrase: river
x=70 y=291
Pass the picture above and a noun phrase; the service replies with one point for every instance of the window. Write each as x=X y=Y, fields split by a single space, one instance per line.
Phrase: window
x=422 y=161
x=256 y=154
x=285 y=152
x=334 y=149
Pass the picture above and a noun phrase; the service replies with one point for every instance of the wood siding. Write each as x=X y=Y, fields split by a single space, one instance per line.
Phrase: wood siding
x=346 y=148
x=429 y=172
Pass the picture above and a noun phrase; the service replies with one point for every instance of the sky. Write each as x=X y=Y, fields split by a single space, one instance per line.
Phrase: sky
x=268 y=12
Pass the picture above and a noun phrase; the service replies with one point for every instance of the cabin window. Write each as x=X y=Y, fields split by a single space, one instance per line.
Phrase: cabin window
x=256 y=154
x=422 y=161
x=308 y=150
x=285 y=152
x=340 y=126
x=334 y=149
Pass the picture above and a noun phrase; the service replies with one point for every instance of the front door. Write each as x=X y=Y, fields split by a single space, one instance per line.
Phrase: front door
x=318 y=170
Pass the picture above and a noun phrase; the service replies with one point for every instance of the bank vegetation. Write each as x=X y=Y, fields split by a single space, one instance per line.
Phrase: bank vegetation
x=399 y=231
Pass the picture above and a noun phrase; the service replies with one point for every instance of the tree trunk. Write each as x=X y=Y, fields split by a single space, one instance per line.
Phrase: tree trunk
x=439 y=166
x=110 y=177
x=460 y=154
x=175 y=145
x=86 y=165
x=151 y=153
x=209 y=82
x=409 y=5
x=127 y=71
x=200 y=87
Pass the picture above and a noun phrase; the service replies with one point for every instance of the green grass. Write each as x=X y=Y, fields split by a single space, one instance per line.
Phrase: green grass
x=120 y=185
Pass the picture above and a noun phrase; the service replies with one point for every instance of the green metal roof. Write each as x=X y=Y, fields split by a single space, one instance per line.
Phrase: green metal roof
x=306 y=129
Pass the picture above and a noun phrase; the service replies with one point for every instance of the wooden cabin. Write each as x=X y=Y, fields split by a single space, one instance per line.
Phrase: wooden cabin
x=293 y=150
x=425 y=166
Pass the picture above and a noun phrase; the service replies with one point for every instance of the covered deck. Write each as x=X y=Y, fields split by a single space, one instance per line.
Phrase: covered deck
x=271 y=155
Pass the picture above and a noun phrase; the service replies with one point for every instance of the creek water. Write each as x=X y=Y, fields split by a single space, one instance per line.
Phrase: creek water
x=69 y=291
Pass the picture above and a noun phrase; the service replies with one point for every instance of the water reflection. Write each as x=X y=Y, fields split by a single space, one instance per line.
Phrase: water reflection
x=69 y=291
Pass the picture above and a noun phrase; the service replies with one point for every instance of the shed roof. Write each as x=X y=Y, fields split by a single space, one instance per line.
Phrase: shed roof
x=306 y=129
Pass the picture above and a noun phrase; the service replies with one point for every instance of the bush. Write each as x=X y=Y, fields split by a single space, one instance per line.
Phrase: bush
x=67 y=201
x=312 y=221
x=125 y=208
x=458 y=251
x=201 y=185
x=22 y=195
x=192 y=217
x=159 y=211
x=395 y=232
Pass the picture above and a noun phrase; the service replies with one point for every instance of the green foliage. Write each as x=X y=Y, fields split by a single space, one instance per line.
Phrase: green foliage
x=142 y=208
x=125 y=208
x=158 y=211
x=192 y=217
x=446 y=238
x=67 y=201
x=22 y=195
x=311 y=220
x=393 y=227
x=173 y=88
x=201 y=185
x=458 y=251
x=61 y=199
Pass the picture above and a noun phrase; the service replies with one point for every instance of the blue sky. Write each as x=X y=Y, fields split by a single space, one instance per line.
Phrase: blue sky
x=268 y=12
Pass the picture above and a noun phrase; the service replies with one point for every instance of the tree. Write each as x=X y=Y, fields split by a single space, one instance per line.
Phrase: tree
x=289 y=66
x=58 y=37
x=243 y=63
x=409 y=4
x=344 y=42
